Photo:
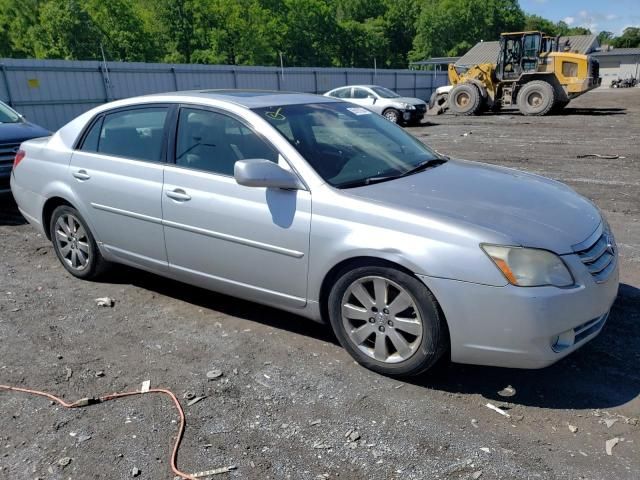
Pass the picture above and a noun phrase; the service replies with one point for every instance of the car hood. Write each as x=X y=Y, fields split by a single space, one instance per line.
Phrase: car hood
x=531 y=210
x=19 y=132
x=410 y=100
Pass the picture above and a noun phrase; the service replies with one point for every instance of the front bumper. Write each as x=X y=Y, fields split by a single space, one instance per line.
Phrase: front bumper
x=414 y=115
x=519 y=327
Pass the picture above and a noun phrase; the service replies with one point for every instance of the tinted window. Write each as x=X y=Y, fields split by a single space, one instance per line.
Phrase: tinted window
x=385 y=92
x=135 y=134
x=7 y=115
x=90 y=143
x=360 y=93
x=342 y=93
x=213 y=142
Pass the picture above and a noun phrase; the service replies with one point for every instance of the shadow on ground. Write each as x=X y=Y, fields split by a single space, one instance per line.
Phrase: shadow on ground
x=9 y=214
x=602 y=374
x=592 y=111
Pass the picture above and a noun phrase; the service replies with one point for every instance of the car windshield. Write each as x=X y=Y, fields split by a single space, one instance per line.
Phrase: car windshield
x=349 y=145
x=385 y=92
x=7 y=115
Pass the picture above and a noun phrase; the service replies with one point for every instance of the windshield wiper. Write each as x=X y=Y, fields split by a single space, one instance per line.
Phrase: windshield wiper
x=366 y=181
x=418 y=168
x=424 y=165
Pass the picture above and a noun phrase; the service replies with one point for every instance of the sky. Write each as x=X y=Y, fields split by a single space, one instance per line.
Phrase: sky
x=598 y=15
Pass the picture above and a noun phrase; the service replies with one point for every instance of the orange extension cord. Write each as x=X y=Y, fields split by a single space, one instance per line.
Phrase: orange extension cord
x=84 y=402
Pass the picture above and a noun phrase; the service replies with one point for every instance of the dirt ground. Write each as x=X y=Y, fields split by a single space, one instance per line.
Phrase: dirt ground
x=289 y=393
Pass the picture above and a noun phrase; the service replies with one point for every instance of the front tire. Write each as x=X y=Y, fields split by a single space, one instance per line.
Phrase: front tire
x=392 y=115
x=74 y=244
x=387 y=320
x=536 y=98
x=465 y=99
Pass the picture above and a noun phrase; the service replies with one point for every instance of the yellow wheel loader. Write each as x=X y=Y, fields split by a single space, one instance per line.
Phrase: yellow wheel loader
x=530 y=73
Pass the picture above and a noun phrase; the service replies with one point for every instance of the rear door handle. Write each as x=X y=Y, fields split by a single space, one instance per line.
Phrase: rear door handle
x=82 y=175
x=178 y=194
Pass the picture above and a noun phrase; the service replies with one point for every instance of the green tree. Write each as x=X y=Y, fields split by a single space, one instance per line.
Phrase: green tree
x=362 y=42
x=310 y=33
x=400 y=28
x=18 y=19
x=605 y=37
x=122 y=31
x=451 y=27
x=65 y=30
x=243 y=33
x=184 y=27
x=630 y=38
x=538 y=23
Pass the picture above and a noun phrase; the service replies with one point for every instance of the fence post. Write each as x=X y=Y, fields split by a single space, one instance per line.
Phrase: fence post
x=395 y=86
x=175 y=78
x=3 y=68
x=315 y=81
x=415 y=84
x=235 y=78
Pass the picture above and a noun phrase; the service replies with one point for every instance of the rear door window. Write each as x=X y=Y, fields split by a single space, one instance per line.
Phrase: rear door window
x=135 y=134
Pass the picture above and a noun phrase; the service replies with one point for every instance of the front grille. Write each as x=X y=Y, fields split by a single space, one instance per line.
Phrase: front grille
x=421 y=108
x=8 y=153
x=600 y=258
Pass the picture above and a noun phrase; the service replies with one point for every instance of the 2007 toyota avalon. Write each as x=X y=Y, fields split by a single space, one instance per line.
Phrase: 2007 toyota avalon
x=328 y=210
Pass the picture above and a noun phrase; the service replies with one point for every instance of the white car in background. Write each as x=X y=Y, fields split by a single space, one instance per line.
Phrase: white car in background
x=387 y=103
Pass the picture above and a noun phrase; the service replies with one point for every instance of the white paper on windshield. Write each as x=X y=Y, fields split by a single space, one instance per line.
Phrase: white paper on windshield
x=359 y=111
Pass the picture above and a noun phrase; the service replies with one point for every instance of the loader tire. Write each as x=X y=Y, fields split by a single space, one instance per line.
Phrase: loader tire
x=536 y=98
x=465 y=99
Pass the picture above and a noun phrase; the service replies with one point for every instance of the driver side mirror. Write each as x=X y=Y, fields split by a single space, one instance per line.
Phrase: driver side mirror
x=372 y=97
x=265 y=173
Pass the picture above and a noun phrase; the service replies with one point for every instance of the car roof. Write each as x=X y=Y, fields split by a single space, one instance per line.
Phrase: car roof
x=250 y=98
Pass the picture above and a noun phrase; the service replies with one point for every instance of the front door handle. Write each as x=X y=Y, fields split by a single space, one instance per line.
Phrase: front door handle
x=82 y=175
x=178 y=194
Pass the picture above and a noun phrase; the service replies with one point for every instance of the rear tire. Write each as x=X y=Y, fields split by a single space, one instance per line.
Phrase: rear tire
x=74 y=244
x=536 y=98
x=465 y=99
x=387 y=320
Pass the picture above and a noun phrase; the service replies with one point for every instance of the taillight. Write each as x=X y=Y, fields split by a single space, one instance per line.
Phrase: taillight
x=20 y=154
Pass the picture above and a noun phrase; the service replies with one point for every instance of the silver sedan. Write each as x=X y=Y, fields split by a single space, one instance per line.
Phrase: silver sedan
x=321 y=208
x=381 y=100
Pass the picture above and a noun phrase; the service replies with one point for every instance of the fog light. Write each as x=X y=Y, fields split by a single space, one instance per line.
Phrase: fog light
x=564 y=340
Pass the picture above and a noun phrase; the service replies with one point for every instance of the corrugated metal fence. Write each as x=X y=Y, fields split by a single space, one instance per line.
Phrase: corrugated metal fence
x=52 y=92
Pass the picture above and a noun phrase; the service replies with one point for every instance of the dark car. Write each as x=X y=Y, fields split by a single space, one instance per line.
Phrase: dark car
x=14 y=130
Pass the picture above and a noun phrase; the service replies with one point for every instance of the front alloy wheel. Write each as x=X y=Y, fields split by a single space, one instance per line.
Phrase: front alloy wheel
x=381 y=319
x=387 y=320
x=392 y=115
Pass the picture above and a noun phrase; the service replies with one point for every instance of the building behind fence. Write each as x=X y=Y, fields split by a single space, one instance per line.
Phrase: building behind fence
x=52 y=92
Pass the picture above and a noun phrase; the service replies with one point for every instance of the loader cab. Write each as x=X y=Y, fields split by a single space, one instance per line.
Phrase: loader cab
x=519 y=53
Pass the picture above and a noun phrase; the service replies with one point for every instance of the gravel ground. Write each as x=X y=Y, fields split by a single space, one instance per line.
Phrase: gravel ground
x=291 y=403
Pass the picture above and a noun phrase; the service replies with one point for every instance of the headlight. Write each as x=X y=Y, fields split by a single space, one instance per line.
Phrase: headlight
x=529 y=267
x=408 y=106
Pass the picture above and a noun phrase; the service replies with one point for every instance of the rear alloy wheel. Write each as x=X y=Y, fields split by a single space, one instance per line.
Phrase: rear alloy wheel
x=392 y=115
x=536 y=98
x=74 y=244
x=465 y=99
x=387 y=320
